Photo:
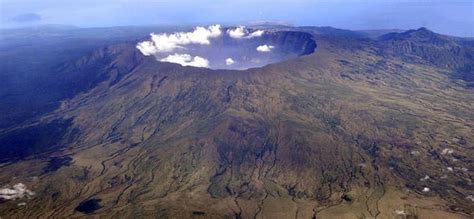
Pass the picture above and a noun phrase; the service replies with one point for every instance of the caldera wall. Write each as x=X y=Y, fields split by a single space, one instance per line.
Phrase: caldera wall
x=228 y=48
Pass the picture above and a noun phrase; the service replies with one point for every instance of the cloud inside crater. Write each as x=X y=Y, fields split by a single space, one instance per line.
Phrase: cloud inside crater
x=257 y=33
x=192 y=48
x=166 y=43
x=229 y=61
x=265 y=48
x=170 y=42
x=187 y=60
x=242 y=32
x=238 y=32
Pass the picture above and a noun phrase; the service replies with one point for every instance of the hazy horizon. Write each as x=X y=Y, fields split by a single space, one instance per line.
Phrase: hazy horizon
x=447 y=17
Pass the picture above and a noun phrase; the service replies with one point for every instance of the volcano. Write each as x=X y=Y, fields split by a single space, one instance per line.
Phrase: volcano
x=328 y=123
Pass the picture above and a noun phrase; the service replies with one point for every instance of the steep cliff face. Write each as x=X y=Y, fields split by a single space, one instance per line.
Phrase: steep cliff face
x=334 y=133
x=247 y=51
x=292 y=42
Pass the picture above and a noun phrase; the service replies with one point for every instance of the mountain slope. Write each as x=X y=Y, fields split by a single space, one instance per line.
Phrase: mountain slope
x=423 y=45
x=348 y=131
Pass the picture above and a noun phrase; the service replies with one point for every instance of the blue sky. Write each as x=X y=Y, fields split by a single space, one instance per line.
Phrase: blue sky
x=455 y=17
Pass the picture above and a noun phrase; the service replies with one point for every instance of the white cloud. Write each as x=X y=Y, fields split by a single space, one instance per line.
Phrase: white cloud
x=238 y=32
x=257 y=33
x=265 y=48
x=242 y=32
x=187 y=60
x=229 y=61
x=147 y=48
x=169 y=42
x=17 y=191
x=171 y=47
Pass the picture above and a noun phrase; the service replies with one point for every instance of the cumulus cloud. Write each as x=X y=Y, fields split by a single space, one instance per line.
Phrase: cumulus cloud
x=147 y=47
x=16 y=192
x=242 y=32
x=169 y=42
x=186 y=48
x=187 y=60
x=229 y=61
x=265 y=48
x=237 y=32
x=257 y=33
